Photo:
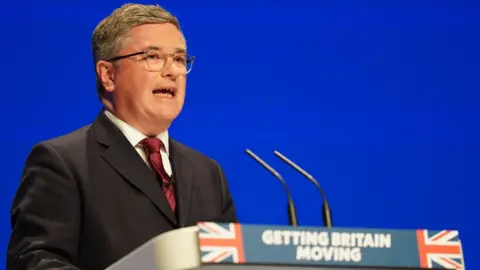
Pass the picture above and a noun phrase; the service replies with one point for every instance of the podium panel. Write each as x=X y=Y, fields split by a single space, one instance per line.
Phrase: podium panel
x=212 y=245
x=339 y=247
x=280 y=267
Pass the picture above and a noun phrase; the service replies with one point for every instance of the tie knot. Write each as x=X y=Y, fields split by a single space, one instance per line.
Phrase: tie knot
x=153 y=145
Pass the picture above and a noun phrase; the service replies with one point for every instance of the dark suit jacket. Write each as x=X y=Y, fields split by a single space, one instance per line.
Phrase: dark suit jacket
x=86 y=199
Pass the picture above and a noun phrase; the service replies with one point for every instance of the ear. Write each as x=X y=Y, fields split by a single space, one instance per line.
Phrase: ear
x=105 y=71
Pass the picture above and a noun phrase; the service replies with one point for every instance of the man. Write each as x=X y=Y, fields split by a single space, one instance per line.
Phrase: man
x=88 y=198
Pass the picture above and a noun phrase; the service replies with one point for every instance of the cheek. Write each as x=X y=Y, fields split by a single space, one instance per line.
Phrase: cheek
x=181 y=85
x=133 y=84
x=143 y=85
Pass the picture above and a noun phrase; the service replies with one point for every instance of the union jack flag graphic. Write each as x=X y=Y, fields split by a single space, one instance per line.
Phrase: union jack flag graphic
x=221 y=242
x=440 y=249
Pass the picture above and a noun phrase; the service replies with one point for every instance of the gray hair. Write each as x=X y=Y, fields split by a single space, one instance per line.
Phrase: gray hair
x=110 y=33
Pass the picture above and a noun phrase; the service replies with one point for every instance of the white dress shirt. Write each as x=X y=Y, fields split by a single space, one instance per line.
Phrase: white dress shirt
x=135 y=137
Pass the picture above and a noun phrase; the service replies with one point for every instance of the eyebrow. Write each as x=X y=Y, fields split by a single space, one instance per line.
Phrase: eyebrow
x=177 y=50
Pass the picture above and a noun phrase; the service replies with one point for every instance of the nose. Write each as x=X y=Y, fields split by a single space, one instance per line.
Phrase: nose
x=168 y=70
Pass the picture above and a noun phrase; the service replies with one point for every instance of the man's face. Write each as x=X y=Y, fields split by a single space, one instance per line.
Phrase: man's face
x=137 y=98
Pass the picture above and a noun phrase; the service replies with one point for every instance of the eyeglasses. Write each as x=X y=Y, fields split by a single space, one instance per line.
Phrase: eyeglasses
x=156 y=59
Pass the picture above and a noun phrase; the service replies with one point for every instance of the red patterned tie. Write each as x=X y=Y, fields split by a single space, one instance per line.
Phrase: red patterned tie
x=153 y=146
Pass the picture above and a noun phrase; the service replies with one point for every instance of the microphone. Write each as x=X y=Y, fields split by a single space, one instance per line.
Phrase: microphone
x=292 y=215
x=327 y=216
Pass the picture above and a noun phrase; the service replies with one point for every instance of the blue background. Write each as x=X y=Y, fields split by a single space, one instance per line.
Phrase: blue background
x=377 y=99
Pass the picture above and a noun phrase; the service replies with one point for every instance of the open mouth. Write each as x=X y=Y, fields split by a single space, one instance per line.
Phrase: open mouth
x=165 y=92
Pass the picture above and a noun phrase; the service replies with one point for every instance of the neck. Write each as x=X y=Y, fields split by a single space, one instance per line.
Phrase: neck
x=148 y=128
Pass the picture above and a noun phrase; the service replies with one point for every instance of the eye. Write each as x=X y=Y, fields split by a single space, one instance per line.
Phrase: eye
x=181 y=59
x=153 y=56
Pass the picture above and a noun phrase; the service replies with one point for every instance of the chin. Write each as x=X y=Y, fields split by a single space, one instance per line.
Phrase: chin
x=166 y=116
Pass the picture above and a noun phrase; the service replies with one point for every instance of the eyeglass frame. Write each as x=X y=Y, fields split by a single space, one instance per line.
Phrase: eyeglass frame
x=116 y=58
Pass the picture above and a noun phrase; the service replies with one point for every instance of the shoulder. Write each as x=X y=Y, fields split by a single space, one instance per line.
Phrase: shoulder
x=68 y=140
x=65 y=146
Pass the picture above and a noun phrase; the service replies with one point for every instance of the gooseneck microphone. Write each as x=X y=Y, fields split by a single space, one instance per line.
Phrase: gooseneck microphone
x=292 y=215
x=327 y=216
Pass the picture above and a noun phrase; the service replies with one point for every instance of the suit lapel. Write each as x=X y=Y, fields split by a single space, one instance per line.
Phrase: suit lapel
x=124 y=159
x=183 y=175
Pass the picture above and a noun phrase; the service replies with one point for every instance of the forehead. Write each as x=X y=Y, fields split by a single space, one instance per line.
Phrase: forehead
x=163 y=35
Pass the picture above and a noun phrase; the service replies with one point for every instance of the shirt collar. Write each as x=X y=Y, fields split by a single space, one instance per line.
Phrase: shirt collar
x=133 y=135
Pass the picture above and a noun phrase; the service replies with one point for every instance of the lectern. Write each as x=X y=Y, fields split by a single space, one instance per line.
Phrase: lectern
x=211 y=245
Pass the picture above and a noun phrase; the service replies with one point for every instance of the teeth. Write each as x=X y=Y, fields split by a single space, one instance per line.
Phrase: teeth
x=164 y=92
